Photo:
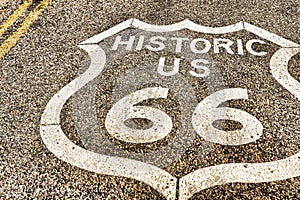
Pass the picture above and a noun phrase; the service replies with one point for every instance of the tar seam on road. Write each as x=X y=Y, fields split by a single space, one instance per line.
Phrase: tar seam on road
x=13 y=39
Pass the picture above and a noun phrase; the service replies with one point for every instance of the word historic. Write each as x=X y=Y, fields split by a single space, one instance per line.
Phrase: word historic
x=198 y=45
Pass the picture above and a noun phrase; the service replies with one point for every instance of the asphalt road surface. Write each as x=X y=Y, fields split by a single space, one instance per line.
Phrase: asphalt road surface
x=205 y=107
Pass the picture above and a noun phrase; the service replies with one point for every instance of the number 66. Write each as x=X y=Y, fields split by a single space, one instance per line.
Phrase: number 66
x=205 y=113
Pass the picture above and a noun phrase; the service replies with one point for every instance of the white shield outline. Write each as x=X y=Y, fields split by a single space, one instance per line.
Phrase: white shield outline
x=57 y=142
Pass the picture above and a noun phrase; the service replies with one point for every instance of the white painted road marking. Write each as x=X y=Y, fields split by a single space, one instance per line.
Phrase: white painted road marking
x=159 y=43
x=163 y=182
x=125 y=109
x=208 y=111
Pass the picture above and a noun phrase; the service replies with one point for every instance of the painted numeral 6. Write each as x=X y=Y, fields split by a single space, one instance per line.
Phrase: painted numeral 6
x=206 y=112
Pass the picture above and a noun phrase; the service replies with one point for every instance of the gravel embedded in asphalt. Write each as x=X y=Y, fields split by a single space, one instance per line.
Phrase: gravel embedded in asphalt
x=47 y=58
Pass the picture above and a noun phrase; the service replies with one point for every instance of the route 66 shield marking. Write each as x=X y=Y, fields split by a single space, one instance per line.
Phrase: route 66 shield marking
x=165 y=183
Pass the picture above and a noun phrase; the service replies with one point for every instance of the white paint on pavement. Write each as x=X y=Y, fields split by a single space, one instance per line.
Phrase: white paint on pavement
x=208 y=111
x=238 y=172
x=98 y=38
x=269 y=36
x=57 y=142
x=279 y=69
x=124 y=109
x=52 y=111
x=186 y=24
